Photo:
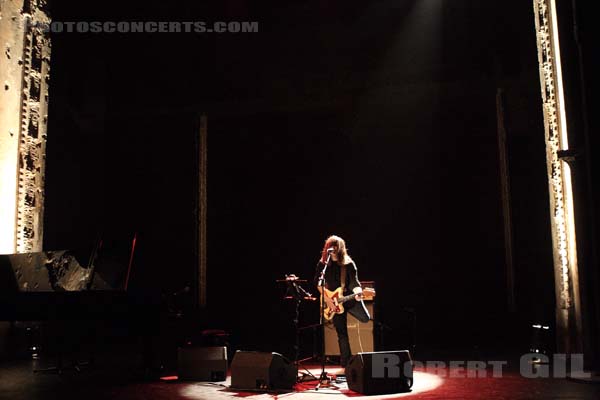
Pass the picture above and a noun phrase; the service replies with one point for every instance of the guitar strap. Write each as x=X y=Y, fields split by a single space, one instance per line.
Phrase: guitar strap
x=343 y=277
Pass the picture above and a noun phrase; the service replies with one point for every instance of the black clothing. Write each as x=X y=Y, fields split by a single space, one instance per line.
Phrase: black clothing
x=356 y=308
x=340 y=322
x=333 y=277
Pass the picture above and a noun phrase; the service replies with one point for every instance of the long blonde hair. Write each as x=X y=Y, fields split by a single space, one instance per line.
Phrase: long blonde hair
x=342 y=252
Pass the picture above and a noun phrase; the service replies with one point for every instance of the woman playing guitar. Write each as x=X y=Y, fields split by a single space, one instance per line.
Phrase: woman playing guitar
x=341 y=284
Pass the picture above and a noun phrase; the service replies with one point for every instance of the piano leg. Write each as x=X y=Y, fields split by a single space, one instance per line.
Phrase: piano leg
x=64 y=334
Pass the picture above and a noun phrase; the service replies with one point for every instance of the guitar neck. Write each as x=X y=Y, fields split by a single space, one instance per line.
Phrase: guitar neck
x=346 y=298
x=368 y=291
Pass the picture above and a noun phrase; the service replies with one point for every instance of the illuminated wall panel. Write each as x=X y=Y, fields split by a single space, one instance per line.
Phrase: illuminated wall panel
x=568 y=316
x=24 y=75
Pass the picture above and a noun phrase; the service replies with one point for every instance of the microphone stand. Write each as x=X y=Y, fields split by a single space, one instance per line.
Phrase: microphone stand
x=323 y=377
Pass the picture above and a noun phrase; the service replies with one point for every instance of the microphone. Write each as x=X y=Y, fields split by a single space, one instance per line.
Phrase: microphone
x=330 y=250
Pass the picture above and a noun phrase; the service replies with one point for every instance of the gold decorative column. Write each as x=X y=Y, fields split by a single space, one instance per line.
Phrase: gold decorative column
x=568 y=305
x=24 y=76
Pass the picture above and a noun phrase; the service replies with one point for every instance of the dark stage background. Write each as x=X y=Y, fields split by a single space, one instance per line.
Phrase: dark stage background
x=375 y=121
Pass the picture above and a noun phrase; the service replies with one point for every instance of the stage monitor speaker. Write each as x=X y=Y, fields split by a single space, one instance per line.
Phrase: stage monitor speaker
x=252 y=370
x=381 y=372
x=208 y=364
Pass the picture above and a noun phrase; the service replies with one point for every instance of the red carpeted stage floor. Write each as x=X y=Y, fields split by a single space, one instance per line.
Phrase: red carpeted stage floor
x=119 y=381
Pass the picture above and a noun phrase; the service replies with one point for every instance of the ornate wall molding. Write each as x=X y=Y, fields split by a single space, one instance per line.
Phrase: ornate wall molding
x=23 y=123
x=559 y=174
x=34 y=119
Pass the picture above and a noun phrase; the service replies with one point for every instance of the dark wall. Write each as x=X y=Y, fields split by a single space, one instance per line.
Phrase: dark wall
x=373 y=121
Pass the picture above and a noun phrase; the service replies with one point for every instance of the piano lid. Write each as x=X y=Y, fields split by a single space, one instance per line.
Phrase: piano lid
x=46 y=271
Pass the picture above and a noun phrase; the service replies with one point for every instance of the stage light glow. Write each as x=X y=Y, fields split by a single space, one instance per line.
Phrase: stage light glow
x=9 y=128
x=423 y=382
x=8 y=196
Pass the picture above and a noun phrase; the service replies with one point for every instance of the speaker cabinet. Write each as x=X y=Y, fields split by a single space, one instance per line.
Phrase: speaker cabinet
x=252 y=370
x=208 y=364
x=381 y=372
x=360 y=334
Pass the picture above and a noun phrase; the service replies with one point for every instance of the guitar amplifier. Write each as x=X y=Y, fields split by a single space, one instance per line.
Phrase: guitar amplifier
x=360 y=334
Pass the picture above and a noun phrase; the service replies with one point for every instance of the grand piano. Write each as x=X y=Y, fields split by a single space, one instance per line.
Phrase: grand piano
x=74 y=297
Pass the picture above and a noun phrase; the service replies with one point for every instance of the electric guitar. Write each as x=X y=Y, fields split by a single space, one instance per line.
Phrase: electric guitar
x=337 y=298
